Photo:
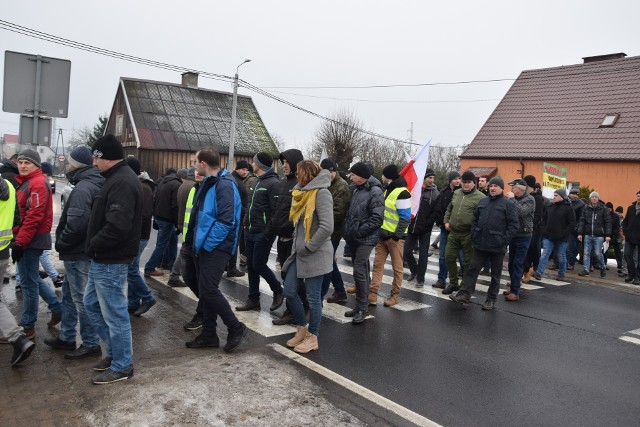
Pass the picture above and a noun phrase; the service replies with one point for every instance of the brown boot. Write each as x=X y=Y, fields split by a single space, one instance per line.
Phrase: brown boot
x=373 y=298
x=351 y=289
x=310 y=343
x=528 y=275
x=393 y=300
x=299 y=337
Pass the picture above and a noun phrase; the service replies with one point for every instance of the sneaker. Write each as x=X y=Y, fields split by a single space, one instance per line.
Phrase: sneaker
x=22 y=348
x=461 y=298
x=59 y=281
x=337 y=297
x=193 y=324
x=153 y=273
x=144 y=307
x=103 y=364
x=584 y=273
x=249 y=305
x=489 y=304
x=235 y=338
x=537 y=276
x=58 y=344
x=83 y=352
x=440 y=284
x=420 y=284
x=110 y=376
x=176 y=283
x=203 y=342
x=55 y=318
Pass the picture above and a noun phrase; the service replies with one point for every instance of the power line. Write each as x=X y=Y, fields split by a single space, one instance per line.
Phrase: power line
x=391 y=85
x=386 y=101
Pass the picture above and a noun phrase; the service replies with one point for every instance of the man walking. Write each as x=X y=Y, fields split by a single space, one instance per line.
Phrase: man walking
x=238 y=175
x=575 y=245
x=594 y=228
x=113 y=239
x=631 y=230
x=533 y=253
x=217 y=212
x=440 y=208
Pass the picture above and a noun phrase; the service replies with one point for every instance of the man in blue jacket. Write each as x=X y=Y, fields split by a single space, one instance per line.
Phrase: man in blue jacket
x=217 y=212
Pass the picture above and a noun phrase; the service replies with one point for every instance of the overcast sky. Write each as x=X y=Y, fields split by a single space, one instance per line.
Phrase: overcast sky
x=328 y=43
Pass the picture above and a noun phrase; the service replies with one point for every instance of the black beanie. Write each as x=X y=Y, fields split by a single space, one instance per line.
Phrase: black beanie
x=497 y=180
x=242 y=164
x=453 y=175
x=134 y=164
x=609 y=205
x=530 y=180
x=361 y=170
x=328 y=165
x=429 y=172
x=391 y=172
x=108 y=148
x=263 y=160
x=468 y=176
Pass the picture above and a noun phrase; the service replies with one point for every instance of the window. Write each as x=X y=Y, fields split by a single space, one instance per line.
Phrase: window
x=610 y=120
x=119 y=124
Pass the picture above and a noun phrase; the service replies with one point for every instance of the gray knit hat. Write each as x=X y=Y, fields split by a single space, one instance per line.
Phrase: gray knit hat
x=30 y=155
x=81 y=157
x=593 y=193
x=562 y=193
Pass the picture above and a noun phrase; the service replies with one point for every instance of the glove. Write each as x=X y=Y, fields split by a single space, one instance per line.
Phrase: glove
x=155 y=225
x=395 y=237
x=16 y=252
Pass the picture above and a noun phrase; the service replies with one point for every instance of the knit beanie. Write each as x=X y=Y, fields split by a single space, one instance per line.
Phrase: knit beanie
x=609 y=205
x=530 y=180
x=361 y=170
x=134 y=164
x=81 y=157
x=391 y=172
x=328 y=165
x=263 y=160
x=182 y=173
x=30 y=155
x=191 y=172
x=620 y=209
x=47 y=168
x=468 y=176
x=453 y=175
x=594 y=194
x=497 y=180
x=242 y=164
x=108 y=148
x=562 y=193
x=429 y=172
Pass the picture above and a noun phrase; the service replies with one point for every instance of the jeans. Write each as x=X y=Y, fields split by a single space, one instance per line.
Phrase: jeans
x=47 y=265
x=573 y=249
x=361 y=274
x=633 y=269
x=166 y=241
x=313 y=287
x=518 y=247
x=73 y=309
x=471 y=274
x=258 y=248
x=210 y=266
x=443 y=270
x=334 y=277
x=593 y=243
x=419 y=268
x=8 y=326
x=105 y=300
x=456 y=243
x=138 y=291
x=548 y=246
x=34 y=287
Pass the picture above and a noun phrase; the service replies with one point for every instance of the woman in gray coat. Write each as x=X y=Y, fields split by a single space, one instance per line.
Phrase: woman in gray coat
x=312 y=254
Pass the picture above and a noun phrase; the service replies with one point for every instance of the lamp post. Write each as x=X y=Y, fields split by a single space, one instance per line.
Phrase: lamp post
x=234 y=104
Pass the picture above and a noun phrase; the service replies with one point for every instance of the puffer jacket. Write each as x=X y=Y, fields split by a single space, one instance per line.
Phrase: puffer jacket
x=36 y=211
x=280 y=225
x=459 y=213
x=165 y=199
x=365 y=214
x=9 y=171
x=314 y=257
x=631 y=225
x=526 y=207
x=441 y=204
x=595 y=220
x=341 y=196
x=262 y=202
x=71 y=233
x=425 y=218
x=559 y=221
x=495 y=222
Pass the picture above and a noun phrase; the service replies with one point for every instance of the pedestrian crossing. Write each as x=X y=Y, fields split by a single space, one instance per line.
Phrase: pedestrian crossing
x=632 y=339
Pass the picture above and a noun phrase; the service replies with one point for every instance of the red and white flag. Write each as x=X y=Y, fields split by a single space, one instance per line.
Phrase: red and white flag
x=413 y=173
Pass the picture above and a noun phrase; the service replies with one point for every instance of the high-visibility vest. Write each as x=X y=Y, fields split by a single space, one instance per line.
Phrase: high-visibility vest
x=7 y=212
x=187 y=211
x=391 y=217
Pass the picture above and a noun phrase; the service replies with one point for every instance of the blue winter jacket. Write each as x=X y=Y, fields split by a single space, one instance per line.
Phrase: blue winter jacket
x=219 y=208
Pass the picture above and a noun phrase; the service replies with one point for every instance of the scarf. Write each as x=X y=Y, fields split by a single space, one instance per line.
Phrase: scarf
x=303 y=201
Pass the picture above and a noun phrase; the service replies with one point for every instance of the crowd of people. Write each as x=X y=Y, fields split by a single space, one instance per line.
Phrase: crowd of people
x=229 y=221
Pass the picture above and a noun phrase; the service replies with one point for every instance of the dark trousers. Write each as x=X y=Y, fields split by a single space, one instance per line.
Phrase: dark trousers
x=630 y=249
x=257 y=248
x=190 y=274
x=617 y=250
x=334 y=277
x=533 y=253
x=471 y=274
x=361 y=274
x=210 y=266
x=422 y=240
x=518 y=248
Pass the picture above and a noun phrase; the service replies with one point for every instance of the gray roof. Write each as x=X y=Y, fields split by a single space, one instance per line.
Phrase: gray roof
x=555 y=113
x=171 y=116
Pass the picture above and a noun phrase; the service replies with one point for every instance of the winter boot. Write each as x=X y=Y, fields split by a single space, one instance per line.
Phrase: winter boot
x=310 y=343
x=298 y=338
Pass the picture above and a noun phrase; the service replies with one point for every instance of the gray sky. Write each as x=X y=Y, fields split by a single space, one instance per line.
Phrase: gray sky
x=328 y=43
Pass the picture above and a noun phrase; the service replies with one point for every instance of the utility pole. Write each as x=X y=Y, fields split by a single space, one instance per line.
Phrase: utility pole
x=234 y=104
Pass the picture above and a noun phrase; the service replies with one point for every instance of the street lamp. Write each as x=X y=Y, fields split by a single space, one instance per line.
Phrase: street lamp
x=232 y=138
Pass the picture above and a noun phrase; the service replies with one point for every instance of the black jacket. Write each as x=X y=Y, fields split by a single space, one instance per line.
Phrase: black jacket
x=578 y=206
x=262 y=202
x=365 y=214
x=559 y=221
x=280 y=225
x=148 y=188
x=113 y=236
x=538 y=214
x=595 y=220
x=165 y=199
x=71 y=233
x=244 y=194
x=9 y=170
x=495 y=222
x=441 y=204
x=423 y=222
x=631 y=225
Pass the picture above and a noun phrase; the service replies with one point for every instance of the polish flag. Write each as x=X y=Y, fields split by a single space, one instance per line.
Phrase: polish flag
x=413 y=173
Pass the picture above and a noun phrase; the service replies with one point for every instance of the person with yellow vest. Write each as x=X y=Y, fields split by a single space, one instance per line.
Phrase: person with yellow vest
x=9 y=217
x=392 y=234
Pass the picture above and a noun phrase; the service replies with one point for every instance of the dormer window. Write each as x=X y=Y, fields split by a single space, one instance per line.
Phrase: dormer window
x=610 y=120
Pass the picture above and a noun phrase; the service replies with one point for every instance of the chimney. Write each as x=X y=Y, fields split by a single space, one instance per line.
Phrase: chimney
x=190 y=79
x=597 y=58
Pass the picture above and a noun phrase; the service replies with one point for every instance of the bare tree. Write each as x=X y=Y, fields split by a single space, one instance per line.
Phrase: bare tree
x=381 y=153
x=341 y=137
x=443 y=160
x=278 y=141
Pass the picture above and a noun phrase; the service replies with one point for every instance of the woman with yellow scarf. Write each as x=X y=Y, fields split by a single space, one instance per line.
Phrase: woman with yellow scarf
x=312 y=254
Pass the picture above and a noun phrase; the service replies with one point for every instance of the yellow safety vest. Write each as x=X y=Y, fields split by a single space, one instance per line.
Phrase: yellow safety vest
x=7 y=212
x=391 y=217
x=187 y=212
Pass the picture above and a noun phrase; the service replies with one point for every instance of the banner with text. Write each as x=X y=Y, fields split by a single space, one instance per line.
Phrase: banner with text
x=553 y=178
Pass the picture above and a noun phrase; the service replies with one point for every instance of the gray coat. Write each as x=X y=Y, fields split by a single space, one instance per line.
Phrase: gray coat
x=315 y=257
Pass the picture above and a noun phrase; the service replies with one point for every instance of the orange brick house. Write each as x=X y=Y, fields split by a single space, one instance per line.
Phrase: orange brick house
x=583 y=117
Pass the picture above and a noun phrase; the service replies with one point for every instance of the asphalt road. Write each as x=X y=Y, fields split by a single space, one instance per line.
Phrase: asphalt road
x=566 y=354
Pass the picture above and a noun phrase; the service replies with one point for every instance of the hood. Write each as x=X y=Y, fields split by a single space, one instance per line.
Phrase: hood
x=373 y=182
x=144 y=177
x=170 y=177
x=292 y=156
x=89 y=173
x=322 y=180
x=268 y=173
x=8 y=165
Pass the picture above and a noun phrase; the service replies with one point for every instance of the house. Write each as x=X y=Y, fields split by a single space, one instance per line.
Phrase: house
x=164 y=124
x=582 y=120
